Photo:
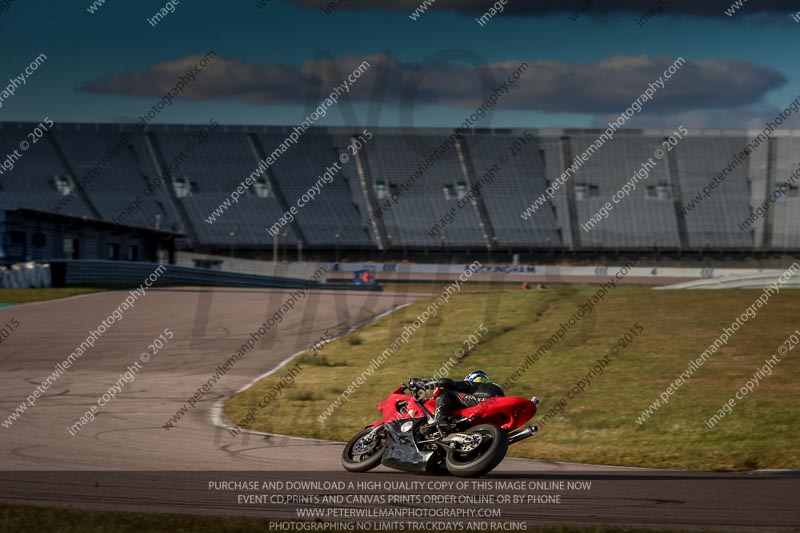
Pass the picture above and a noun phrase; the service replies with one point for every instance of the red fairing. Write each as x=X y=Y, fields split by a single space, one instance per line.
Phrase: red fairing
x=505 y=411
x=391 y=407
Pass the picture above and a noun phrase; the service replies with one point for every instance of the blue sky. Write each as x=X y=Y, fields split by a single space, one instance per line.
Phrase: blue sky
x=753 y=48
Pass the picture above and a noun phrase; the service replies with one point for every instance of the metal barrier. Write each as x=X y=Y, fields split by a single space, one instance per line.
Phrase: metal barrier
x=95 y=272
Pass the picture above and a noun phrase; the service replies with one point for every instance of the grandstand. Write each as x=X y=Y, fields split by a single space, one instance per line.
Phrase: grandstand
x=713 y=225
x=392 y=159
x=782 y=232
x=333 y=209
x=122 y=180
x=355 y=213
x=514 y=187
x=643 y=220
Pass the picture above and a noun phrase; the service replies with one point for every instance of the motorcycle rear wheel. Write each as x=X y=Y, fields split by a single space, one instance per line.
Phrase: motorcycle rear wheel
x=359 y=455
x=485 y=458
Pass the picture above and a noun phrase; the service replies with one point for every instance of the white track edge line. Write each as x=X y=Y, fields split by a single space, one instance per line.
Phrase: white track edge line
x=217 y=414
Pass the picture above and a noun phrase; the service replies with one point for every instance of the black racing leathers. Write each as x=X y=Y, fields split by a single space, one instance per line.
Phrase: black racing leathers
x=463 y=394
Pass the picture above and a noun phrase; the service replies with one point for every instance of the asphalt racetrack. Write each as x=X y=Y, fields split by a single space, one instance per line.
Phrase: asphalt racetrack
x=125 y=459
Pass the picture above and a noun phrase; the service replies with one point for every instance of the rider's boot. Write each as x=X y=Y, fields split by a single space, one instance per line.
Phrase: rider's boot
x=441 y=423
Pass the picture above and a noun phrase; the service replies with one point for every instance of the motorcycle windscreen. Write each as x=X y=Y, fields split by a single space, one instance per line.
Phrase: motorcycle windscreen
x=402 y=452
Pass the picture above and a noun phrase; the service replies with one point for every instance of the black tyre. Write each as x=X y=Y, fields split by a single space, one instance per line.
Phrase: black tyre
x=363 y=452
x=437 y=466
x=484 y=458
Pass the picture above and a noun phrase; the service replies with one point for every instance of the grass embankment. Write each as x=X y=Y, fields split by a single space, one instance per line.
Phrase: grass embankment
x=599 y=425
x=15 y=518
x=22 y=296
x=436 y=288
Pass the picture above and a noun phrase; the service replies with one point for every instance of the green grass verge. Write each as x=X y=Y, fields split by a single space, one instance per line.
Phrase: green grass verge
x=18 y=518
x=598 y=426
x=436 y=287
x=21 y=296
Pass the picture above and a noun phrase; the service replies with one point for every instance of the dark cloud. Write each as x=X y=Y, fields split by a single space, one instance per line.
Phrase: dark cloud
x=461 y=79
x=702 y=8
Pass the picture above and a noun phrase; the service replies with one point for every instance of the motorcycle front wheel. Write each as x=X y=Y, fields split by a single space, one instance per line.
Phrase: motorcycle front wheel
x=483 y=458
x=364 y=451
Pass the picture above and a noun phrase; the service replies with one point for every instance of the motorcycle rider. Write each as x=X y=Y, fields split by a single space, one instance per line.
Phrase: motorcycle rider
x=475 y=388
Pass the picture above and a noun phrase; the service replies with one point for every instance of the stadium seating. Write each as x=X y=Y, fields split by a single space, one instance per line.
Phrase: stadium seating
x=786 y=210
x=403 y=182
x=211 y=172
x=396 y=161
x=509 y=191
x=713 y=224
x=33 y=180
x=640 y=220
x=122 y=190
x=333 y=210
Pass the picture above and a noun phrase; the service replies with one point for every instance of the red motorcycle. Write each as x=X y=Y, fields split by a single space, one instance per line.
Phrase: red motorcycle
x=477 y=443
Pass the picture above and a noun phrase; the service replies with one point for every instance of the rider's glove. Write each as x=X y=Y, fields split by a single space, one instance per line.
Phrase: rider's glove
x=426 y=384
x=431 y=384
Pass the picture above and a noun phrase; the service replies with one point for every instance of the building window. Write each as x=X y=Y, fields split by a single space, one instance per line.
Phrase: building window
x=786 y=191
x=449 y=191
x=182 y=187
x=63 y=185
x=663 y=190
x=580 y=191
x=133 y=253
x=651 y=191
x=39 y=240
x=71 y=248
x=260 y=188
x=18 y=237
x=113 y=251
x=380 y=190
x=594 y=191
x=461 y=190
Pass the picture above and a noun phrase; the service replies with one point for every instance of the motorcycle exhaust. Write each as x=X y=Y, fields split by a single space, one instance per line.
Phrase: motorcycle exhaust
x=522 y=434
